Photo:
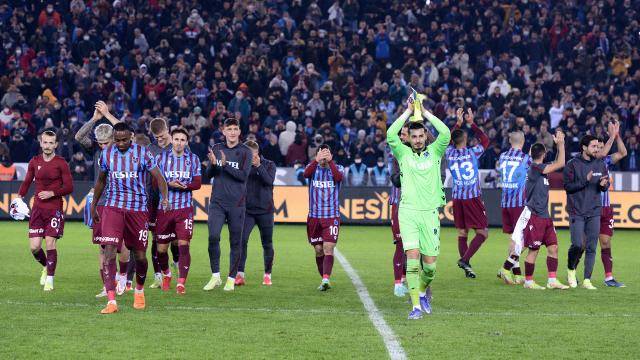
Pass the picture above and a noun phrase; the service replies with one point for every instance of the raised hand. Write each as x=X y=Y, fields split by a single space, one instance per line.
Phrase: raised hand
x=604 y=181
x=223 y=158
x=469 y=116
x=558 y=138
x=459 y=117
x=212 y=157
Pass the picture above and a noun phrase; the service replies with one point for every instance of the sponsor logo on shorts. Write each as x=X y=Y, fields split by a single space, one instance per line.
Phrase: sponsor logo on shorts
x=166 y=236
x=313 y=240
x=537 y=243
x=106 y=239
x=36 y=231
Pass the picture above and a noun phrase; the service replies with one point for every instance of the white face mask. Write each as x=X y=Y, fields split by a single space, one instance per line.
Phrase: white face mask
x=358 y=161
x=86 y=37
x=380 y=164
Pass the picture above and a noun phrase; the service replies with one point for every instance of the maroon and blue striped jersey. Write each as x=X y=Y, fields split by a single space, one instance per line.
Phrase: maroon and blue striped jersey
x=513 y=166
x=324 y=189
x=606 y=202
x=463 y=165
x=182 y=168
x=126 y=176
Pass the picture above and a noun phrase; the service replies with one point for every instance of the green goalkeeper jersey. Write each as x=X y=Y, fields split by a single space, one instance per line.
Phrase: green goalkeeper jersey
x=420 y=172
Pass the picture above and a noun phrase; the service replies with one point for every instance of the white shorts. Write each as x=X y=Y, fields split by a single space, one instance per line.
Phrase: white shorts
x=518 y=232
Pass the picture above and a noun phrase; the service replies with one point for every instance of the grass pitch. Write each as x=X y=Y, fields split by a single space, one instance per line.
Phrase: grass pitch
x=479 y=318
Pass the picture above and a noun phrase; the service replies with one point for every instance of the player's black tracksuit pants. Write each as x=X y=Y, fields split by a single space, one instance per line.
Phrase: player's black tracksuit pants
x=234 y=217
x=584 y=238
x=265 y=225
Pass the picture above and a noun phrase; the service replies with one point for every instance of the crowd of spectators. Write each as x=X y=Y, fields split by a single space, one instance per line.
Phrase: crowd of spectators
x=301 y=73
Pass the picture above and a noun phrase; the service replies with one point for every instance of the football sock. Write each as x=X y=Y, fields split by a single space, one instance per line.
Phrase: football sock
x=516 y=269
x=163 y=260
x=413 y=280
x=511 y=262
x=141 y=272
x=473 y=247
x=109 y=272
x=528 y=270
x=52 y=261
x=398 y=263
x=327 y=266
x=175 y=252
x=319 y=263
x=154 y=255
x=184 y=262
x=552 y=266
x=462 y=245
x=427 y=275
x=123 y=265
x=607 y=261
x=40 y=257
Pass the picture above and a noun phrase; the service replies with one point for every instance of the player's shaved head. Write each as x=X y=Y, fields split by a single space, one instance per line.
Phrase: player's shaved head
x=122 y=136
x=516 y=139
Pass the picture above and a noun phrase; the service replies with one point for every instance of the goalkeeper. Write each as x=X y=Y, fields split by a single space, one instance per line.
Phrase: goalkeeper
x=422 y=195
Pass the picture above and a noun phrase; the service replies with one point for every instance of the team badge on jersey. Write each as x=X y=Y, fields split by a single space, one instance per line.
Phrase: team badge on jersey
x=134 y=159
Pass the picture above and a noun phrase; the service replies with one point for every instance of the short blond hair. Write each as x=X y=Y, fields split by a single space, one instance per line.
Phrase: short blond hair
x=103 y=132
x=158 y=126
x=516 y=138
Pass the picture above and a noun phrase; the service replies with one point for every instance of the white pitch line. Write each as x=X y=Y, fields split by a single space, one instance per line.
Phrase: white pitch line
x=391 y=342
x=322 y=311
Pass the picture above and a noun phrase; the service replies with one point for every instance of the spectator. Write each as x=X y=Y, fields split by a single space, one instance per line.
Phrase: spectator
x=632 y=161
x=287 y=137
x=7 y=167
x=318 y=64
x=297 y=152
x=271 y=150
x=380 y=174
x=358 y=172
x=79 y=166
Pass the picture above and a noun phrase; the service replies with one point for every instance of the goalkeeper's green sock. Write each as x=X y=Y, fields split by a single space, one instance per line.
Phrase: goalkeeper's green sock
x=427 y=275
x=413 y=280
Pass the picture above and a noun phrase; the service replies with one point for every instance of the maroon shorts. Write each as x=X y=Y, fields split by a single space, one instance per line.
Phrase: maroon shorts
x=469 y=214
x=321 y=230
x=174 y=224
x=606 y=221
x=153 y=215
x=539 y=231
x=510 y=218
x=97 y=228
x=395 y=224
x=46 y=222
x=120 y=225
